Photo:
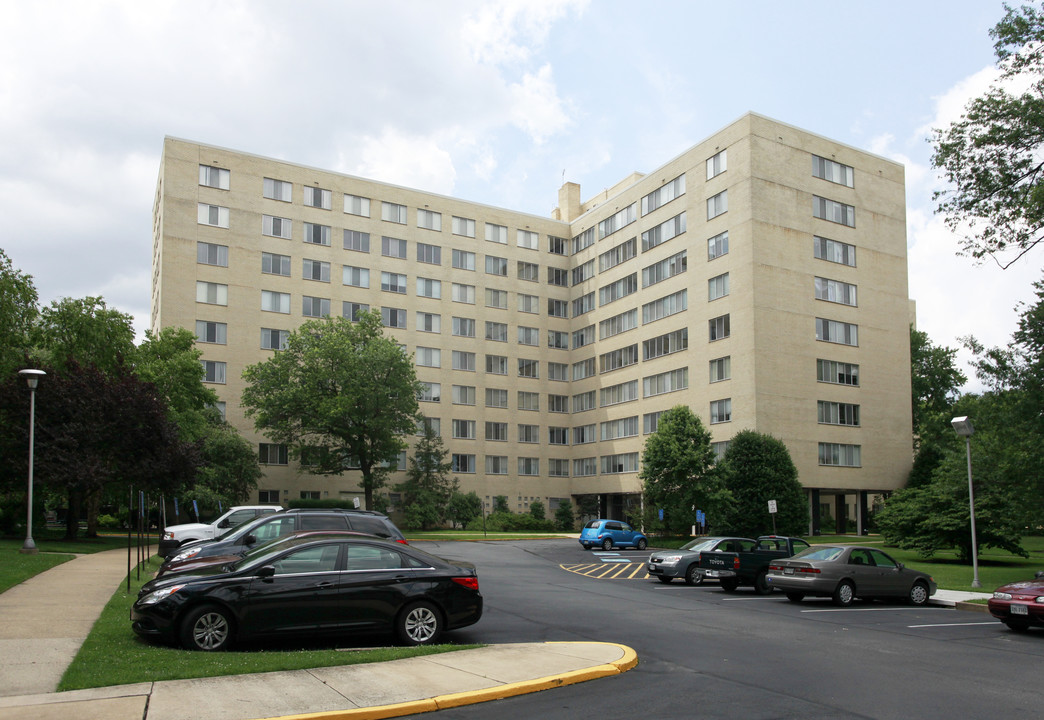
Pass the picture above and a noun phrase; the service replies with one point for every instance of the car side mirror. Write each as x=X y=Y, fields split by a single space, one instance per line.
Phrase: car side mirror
x=223 y=523
x=249 y=540
x=900 y=566
x=1039 y=574
x=266 y=571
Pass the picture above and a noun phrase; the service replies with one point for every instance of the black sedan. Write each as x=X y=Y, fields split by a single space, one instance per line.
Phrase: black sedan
x=327 y=584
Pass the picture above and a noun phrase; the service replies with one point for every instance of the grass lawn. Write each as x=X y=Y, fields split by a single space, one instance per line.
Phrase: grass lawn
x=16 y=568
x=114 y=655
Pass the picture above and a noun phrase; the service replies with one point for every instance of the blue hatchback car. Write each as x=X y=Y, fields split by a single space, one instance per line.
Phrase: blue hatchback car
x=608 y=534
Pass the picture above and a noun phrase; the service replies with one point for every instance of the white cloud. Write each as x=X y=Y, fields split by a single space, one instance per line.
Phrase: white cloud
x=414 y=161
x=536 y=107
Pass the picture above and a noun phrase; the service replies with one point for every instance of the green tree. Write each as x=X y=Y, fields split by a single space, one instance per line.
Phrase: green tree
x=992 y=155
x=170 y=361
x=341 y=389
x=462 y=508
x=228 y=472
x=427 y=489
x=564 y=519
x=18 y=313
x=936 y=383
x=677 y=472
x=755 y=469
x=536 y=509
x=86 y=331
x=500 y=504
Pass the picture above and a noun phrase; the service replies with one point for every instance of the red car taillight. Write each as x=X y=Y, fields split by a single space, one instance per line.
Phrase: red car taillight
x=403 y=541
x=735 y=563
x=812 y=570
x=471 y=583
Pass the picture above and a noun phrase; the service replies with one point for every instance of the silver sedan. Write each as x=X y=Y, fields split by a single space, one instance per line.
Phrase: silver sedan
x=845 y=572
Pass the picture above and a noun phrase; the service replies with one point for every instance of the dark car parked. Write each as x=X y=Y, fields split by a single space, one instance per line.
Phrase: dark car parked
x=312 y=585
x=1020 y=605
x=267 y=527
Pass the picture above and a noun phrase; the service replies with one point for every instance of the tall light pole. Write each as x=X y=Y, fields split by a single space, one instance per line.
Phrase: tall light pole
x=963 y=426
x=32 y=378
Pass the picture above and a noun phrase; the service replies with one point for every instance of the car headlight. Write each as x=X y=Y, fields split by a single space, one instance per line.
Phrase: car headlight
x=1039 y=599
x=186 y=554
x=168 y=536
x=670 y=559
x=1001 y=596
x=154 y=597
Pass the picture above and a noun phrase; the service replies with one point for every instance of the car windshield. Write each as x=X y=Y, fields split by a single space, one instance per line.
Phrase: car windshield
x=699 y=544
x=259 y=554
x=819 y=553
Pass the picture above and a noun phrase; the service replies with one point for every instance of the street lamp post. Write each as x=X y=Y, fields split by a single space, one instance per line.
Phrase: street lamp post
x=963 y=426
x=32 y=378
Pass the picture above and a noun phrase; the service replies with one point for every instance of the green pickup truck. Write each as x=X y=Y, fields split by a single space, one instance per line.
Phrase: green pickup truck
x=733 y=569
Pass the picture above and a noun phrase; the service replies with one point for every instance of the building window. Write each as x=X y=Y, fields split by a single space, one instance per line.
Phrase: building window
x=558 y=308
x=463 y=360
x=315 y=270
x=720 y=369
x=620 y=393
x=272 y=339
x=211 y=254
x=529 y=434
x=317 y=198
x=272 y=454
x=558 y=436
x=316 y=234
x=834 y=251
x=212 y=215
x=496 y=465
x=721 y=411
x=268 y=497
x=558 y=403
x=583 y=369
x=835 y=413
x=838 y=373
x=315 y=306
x=496 y=299
x=583 y=272
x=558 y=277
x=463 y=226
x=426 y=287
x=211 y=332
x=665 y=307
x=496 y=265
x=390 y=212
x=528 y=304
x=718 y=287
x=585 y=467
x=430 y=254
x=528 y=271
x=627 y=320
x=463 y=293
x=719 y=449
x=616 y=359
x=621 y=463
x=496 y=332
x=355 y=205
x=835 y=172
x=663 y=232
x=429 y=220
x=718 y=204
x=621 y=288
x=840 y=455
x=528 y=400
x=619 y=254
x=428 y=357
x=211 y=293
x=837 y=332
x=496 y=364
x=558 y=467
x=624 y=427
x=835 y=291
x=584 y=401
x=429 y=322
x=557 y=245
x=356 y=276
x=584 y=434
x=464 y=429
x=278 y=190
x=717 y=165
x=353 y=310
x=718 y=245
x=393 y=317
x=275 y=301
x=558 y=372
x=651 y=421
x=666 y=268
x=584 y=240
x=719 y=328
x=433 y=422
x=558 y=339
x=462 y=463
x=663 y=195
x=463 y=395
x=527 y=239
x=463 y=327
x=393 y=247
x=528 y=335
x=618 y=220
x=528 y=368
x=584 y=304
x=666 y=382
x=213 y=371
x=833 y=211
x=276 y=227
x=463 y=260
x=273 y=264
x=671 y=342
x=496 y=398
x=496 y=234
x=357 y=241
x=430 y=392
x=496 y=431
x=528 y=466
x=214 y=177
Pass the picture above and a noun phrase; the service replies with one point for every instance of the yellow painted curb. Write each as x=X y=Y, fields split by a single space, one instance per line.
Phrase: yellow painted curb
x=473 y=697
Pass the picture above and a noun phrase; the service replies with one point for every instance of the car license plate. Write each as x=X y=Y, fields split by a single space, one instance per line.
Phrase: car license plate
x=788 y=571
x=1020 y=610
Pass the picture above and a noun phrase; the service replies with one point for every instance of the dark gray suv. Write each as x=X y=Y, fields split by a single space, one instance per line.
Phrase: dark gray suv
x=269 y=527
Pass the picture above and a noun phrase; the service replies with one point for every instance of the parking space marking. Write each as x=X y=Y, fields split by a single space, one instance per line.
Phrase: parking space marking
x=609 y=570
x=951 y=624
x=880 y=609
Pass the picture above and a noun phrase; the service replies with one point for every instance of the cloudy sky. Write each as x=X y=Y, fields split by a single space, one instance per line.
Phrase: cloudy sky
x=493 y=102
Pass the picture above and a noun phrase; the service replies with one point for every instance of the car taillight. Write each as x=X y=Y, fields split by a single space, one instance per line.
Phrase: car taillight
x=403 y=541
x=814 y=571
x=777 y=568
x=735 y=563
x=471 y=583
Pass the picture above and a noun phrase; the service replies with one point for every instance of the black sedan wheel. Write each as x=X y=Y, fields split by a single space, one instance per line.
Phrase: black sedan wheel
x=693 y=576
x=918 y=594
x=419 y=624
x=794 y=596
x=642 y=544
x=207 y=628
x=844 y=594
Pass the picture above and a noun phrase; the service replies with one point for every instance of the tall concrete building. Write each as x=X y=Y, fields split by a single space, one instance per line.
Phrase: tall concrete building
x=759 y=277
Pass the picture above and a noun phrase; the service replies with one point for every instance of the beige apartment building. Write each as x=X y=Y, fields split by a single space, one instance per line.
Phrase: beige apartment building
x=759 y=277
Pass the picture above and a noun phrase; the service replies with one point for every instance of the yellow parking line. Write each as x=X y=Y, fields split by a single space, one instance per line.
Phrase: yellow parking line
x=609 y=571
